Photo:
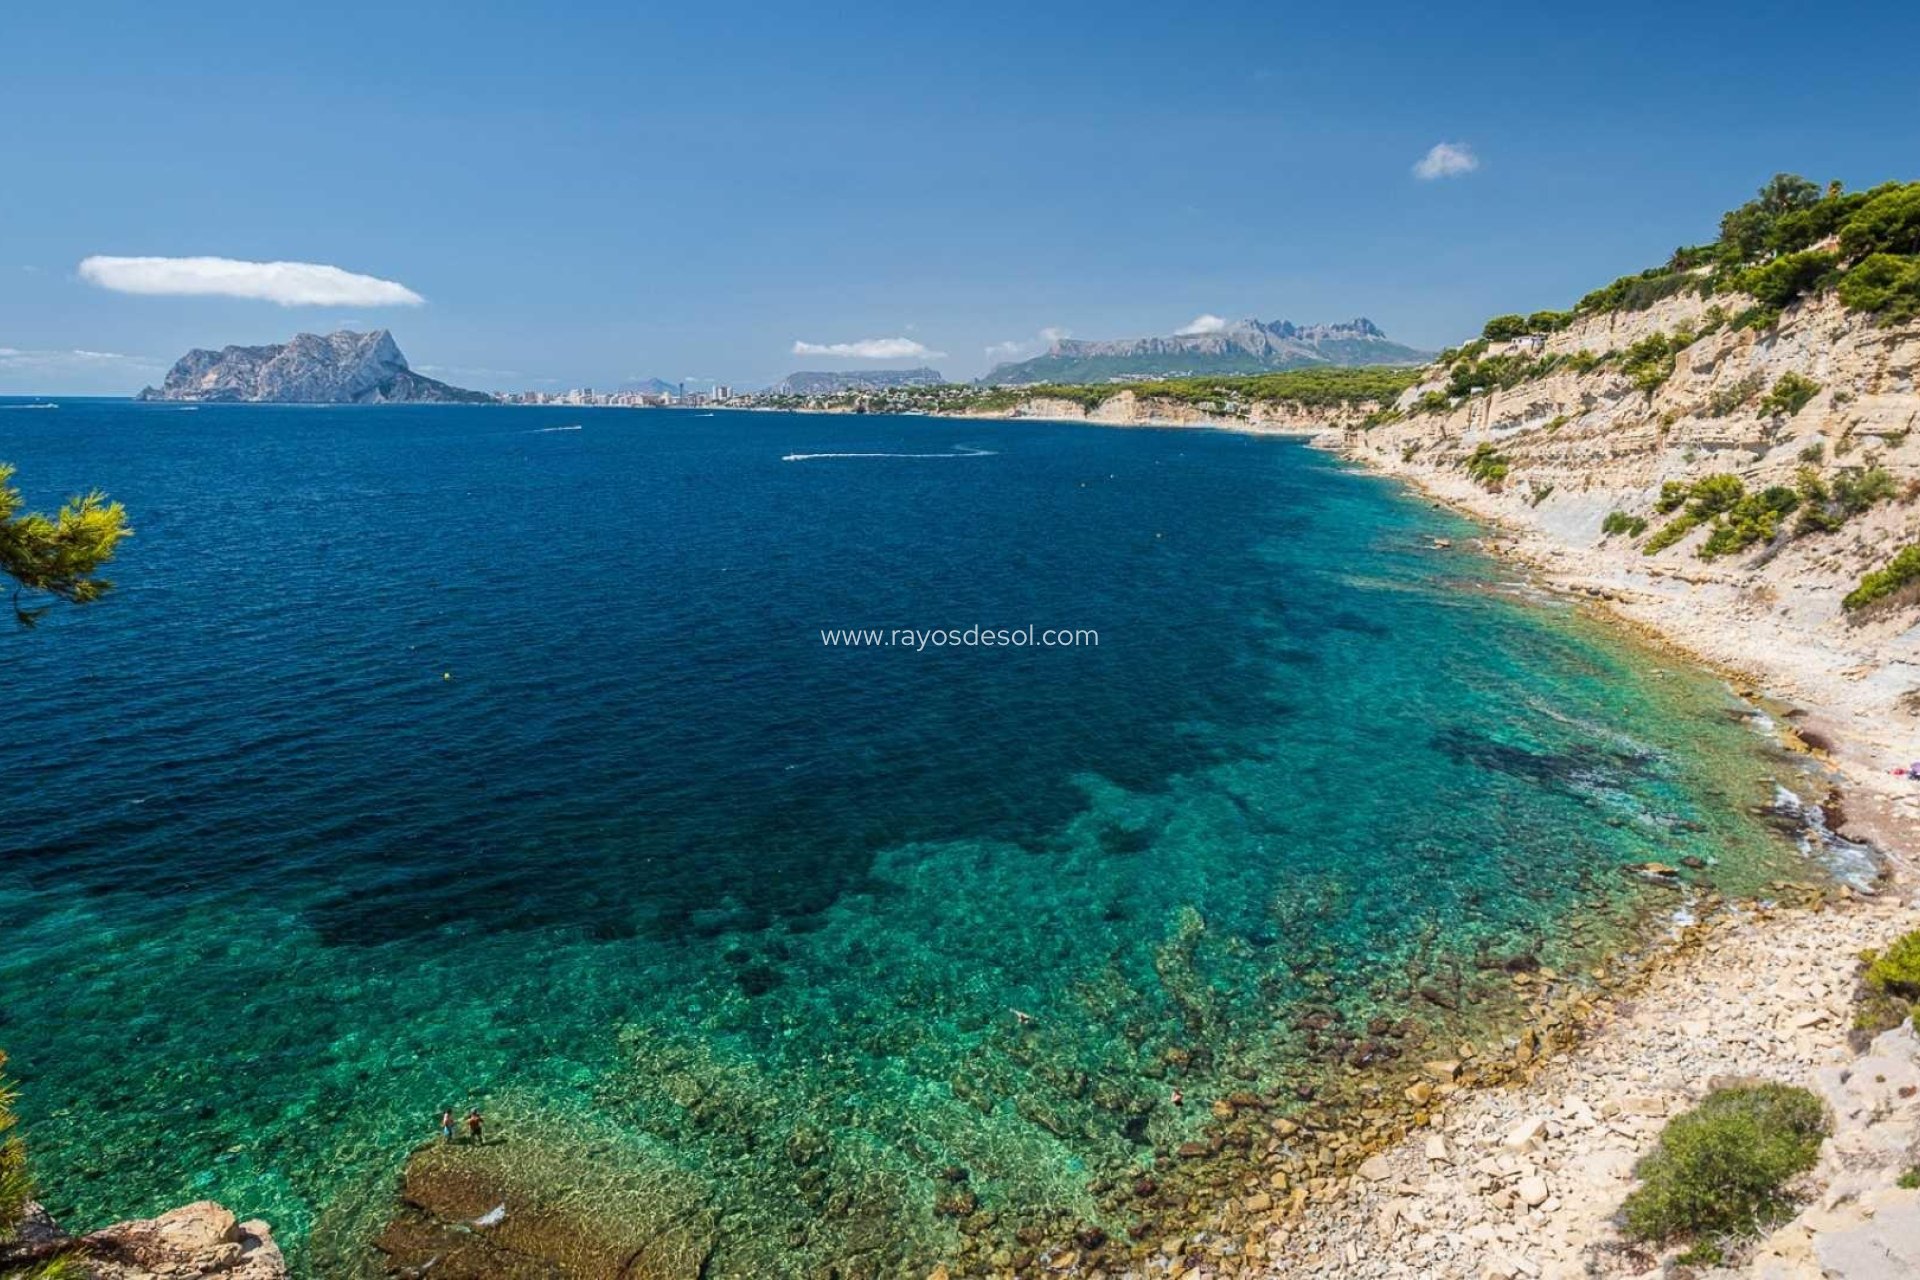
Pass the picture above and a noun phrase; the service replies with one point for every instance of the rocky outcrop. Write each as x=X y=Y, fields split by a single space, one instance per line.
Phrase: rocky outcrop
x=338 y=368
x=196 y=1240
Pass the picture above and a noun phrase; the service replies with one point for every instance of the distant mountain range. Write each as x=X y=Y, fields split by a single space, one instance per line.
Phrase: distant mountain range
x=338 y=368
x=1241 y=347
x=651 y=387
x=830 y=383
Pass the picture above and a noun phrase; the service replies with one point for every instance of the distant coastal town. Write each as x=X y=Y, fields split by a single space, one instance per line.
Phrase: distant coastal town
x=662 y=397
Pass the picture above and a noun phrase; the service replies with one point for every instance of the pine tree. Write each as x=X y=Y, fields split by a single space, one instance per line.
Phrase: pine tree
x=57 y=556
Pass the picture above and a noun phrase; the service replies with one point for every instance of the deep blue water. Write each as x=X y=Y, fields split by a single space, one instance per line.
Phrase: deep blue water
x=427 y=755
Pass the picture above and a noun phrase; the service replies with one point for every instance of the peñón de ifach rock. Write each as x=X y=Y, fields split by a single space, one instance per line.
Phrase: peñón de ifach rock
x=337 y=368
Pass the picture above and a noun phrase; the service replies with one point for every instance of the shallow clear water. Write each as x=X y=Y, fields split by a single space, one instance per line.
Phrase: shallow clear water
x=426 y=756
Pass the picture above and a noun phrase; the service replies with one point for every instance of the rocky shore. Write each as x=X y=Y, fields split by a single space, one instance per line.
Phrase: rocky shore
x=197 y=1240
x=1526 y=1181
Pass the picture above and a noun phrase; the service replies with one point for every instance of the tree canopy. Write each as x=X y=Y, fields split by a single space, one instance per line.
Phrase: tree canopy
x=56 y=556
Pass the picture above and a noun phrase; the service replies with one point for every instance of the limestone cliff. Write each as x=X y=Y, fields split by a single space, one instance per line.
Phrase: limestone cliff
x=1822 y=404
x=337 y=368
x=1126 y=408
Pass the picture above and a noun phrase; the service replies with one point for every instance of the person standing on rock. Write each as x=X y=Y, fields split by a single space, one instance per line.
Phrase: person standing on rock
x=473 y=1126
x=446 y=1124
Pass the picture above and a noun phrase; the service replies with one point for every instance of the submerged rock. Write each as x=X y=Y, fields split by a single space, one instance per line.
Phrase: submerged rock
x=537 y=1226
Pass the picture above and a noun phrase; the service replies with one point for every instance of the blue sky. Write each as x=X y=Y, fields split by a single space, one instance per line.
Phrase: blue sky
x=585 y=194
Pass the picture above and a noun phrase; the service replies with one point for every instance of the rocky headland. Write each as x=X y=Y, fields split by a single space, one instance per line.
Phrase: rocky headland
x=335 y=368
x=197 y=1240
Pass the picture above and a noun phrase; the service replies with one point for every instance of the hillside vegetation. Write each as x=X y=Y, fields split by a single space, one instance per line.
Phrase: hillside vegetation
x=1318 y=386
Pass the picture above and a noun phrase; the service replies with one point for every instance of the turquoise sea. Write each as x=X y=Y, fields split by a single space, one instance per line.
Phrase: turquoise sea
x=439 y=757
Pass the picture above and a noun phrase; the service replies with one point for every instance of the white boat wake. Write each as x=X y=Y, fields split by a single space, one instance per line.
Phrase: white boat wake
x=29 y=406
x=959 y=451
x=540 y=431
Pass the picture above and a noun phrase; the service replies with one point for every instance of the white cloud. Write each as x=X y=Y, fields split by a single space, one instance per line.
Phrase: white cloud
x=1446 y=160
x=868 y=349
x=291 y=284
x=78 y=371
x=17 y=358
x=1200 y=324
x=1019 y=349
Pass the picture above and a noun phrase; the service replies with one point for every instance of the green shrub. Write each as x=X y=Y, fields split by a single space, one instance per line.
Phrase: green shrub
x=1487 y=466
x=1650 y=362
x=1668 y=534
x=1735 y=394
x=1789 y=395
x=1759 y=316
x=1814 y=452
x=1885 y=286
x=1501 y=371
x=1710 y=495
x=1702 y=1253
x=1549 y=321
x=1722 y=1167
x=1888 y=222
x=1754 y=518
x=1787 y=279
x=1433 y=402
x=1897 y=969
x=1876 y=1011
x=1638 y=292
x=1469 y=352
x=1315 y=385
x=1673 y=494
x=1802 y=228
x=1705 y=498
x=1620 y=522
x=1901 y=571
x=1857 y=489
x=1909 y=1180
x=1503 y=328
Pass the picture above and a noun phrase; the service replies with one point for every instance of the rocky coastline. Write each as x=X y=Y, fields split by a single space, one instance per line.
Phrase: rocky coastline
x=1503 y=1157
x=202 y=1239
x=1525 y=1178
